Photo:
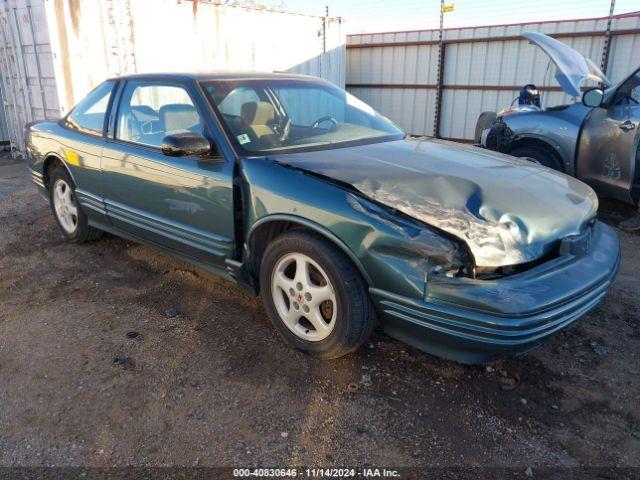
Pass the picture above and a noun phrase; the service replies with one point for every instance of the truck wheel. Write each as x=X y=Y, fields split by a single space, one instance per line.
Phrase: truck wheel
x=314 y=295
x=538 y=155
x=485 y=120
x=66 y=210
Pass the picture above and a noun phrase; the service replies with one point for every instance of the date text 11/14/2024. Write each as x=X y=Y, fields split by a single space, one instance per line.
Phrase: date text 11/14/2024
x=315 y=473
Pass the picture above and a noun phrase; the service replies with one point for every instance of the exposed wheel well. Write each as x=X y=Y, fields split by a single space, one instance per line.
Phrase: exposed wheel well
x=259 y=240
x=541 y=144
x=265 y=233
x=50 y=162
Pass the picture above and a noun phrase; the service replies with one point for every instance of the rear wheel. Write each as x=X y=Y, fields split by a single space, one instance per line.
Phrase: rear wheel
x=314 y=295
x=68 y=214
x=539 y=155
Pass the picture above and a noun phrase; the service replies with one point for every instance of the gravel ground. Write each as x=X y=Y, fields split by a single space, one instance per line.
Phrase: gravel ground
x=96 y=370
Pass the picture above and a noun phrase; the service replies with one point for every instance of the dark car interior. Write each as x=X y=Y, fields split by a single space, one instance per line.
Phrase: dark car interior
x=272 y=116
x=266 y=128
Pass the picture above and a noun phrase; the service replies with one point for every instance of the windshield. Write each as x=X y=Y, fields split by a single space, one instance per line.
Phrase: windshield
x=291 y=115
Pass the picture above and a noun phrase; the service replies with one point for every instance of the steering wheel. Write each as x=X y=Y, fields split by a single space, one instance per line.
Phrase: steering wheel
x=327 y=118
x=147 y=127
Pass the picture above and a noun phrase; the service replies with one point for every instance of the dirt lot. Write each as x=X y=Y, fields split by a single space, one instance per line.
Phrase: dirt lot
x=214 y=385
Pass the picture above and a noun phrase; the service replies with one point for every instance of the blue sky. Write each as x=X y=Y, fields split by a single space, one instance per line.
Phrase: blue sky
x=378 y=15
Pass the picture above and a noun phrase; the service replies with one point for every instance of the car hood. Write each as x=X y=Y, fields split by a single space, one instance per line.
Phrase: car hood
x=508 y=211
x=573 y=68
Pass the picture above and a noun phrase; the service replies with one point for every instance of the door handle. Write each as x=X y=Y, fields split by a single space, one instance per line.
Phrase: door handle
x=628 y=125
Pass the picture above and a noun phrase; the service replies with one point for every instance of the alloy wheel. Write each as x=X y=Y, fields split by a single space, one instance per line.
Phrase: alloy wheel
x=304 y=297
x=64 y=202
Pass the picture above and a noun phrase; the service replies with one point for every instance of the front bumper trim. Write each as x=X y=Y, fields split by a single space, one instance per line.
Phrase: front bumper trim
x=471 y=335
x=484 y=328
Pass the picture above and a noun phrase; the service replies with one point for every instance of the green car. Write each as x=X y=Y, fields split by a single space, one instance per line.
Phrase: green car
x=298 y=191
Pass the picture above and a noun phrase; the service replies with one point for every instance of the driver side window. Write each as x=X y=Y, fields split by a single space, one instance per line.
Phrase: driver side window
x=151 y=111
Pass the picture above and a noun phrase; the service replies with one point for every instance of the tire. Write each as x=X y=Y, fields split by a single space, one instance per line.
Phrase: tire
x=539 y=155
x=69 y=216
x=350 y=319
x=485 y=120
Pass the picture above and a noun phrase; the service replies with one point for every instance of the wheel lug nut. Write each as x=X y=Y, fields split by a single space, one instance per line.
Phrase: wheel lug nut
x=305 y=308
x=296 y=306
x=307 y=297
x=299 y=286
x=292 y=292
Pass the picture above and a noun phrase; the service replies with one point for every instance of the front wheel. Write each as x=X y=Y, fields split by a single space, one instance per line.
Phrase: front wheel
x=314 y=295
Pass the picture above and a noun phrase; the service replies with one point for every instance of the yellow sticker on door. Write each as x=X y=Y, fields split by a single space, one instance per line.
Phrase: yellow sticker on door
x=72 y=157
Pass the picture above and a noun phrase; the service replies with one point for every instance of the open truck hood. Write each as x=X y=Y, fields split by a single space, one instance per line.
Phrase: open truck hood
x=573 y=68
x=508 y=211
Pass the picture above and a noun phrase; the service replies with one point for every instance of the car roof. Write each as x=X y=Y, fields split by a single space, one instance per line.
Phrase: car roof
x=217 y=75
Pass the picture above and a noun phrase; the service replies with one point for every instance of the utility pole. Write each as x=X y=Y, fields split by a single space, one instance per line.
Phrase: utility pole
x=607 y=40
x=325 y=19
x=324 y=29
x=439 y=79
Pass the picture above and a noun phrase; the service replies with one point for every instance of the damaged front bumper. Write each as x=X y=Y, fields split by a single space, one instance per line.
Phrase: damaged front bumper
x=476 y=321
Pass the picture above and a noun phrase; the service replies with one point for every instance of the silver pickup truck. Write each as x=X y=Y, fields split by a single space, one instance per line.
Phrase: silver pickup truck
x=595 y=140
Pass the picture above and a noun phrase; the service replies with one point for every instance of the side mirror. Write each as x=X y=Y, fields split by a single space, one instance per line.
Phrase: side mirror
x=593 y=97
x=185 y=145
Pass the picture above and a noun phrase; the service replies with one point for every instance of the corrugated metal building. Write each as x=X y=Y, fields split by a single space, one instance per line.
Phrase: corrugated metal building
x=53 y=52
x=483 y=69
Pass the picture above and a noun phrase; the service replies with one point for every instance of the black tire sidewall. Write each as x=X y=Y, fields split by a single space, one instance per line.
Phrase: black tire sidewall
x=333 y=262
x=545 y=158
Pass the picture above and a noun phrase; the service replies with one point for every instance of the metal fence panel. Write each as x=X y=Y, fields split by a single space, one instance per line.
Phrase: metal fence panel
x=330 y=63
x=484 y=68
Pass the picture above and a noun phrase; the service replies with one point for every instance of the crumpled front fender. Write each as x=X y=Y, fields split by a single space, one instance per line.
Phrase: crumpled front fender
x=391 y=251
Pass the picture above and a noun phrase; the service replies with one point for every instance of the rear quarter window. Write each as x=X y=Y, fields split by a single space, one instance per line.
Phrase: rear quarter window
x=88 y=116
